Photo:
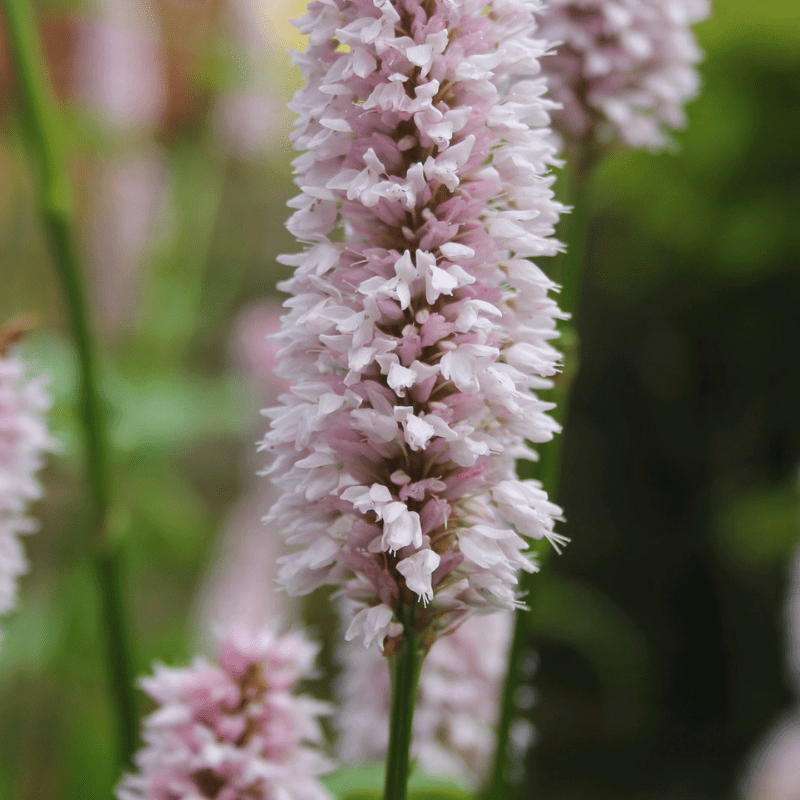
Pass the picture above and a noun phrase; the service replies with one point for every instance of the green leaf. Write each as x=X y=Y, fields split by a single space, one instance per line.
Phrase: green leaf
x=149 y=412
x=760 y=528
x=356 y=783
x=423 y=786
x=441 y=793
x=365 y=782
x=166 y=410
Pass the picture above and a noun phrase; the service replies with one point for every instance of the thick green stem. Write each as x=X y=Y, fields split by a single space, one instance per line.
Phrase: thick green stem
x=568 y=272
x=55 y=208
x=406 y=665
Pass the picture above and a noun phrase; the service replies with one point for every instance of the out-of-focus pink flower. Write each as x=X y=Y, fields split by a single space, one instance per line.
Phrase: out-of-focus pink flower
x=120 y=65
x=120 y=76
x=256 y=352
x=456 y=709
x=24 y=439
x=250 y=114
x=623 y=69
x=417 y=330
x=233 y=730
x=249 y=119
x=125 y=193
x=240 y=589
x=773 y=772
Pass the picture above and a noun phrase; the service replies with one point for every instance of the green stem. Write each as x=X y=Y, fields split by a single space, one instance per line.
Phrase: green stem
x=406 y=665
x=568 y=272
x=499 y=783
x=55 y=208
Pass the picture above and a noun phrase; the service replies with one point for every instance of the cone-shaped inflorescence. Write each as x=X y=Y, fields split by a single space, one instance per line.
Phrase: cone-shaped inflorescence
x=418 y=329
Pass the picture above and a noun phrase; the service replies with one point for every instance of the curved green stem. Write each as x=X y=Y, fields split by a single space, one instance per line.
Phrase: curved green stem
x=406 y=665
x=568 y=272
x=55 y=208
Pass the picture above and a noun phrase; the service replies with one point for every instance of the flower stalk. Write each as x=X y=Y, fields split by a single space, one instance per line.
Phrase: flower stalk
x=568 y=272
x=406 y=665
x=56 y=212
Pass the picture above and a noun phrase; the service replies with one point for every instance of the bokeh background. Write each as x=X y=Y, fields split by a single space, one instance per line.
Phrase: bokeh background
x=660 y=631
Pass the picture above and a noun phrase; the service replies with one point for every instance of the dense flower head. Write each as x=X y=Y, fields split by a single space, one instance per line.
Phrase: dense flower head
x=623 y=69
x=234 y=729
x=418 y=329
x=457 y=705
x=24 y=438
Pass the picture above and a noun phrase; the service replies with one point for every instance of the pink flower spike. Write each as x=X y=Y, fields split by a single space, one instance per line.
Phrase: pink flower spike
x=622 y=70
x=24 y=438
x=235 y=729
x=425 y=185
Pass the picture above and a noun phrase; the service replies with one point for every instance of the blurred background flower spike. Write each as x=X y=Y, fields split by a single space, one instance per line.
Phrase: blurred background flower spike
x=55 y=206
x=24 y=438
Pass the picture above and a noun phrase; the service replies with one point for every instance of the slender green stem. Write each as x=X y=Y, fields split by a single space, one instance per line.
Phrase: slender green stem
x=55 y=207
x=568 y=272
x=108 y=566
x=499 y=783
x=406 y=665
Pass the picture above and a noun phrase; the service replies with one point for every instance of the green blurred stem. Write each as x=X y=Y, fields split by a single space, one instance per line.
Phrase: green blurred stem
x=55 y=207
x=406 y=665
x=568 y=272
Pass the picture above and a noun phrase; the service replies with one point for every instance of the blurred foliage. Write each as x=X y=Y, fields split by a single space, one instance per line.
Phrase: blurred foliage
x=604 y=635
x=759 y=530
x=682 y=448
x=658 y=631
